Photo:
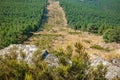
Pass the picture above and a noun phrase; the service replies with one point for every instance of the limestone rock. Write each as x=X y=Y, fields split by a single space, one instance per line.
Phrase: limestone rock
x=116 y=62
x=51 y=60
x=28 y=50
x=113 y=70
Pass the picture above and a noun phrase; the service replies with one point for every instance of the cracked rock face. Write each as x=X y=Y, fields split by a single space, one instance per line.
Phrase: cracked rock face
x=51 y=60
x=113 y=69
x=116 y=62
x=28 y=50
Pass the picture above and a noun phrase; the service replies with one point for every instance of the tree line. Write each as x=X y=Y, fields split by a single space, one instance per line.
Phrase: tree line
x=18 y=18
x=96 y=16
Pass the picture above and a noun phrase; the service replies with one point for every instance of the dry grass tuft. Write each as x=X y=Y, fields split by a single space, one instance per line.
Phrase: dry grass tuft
x=111 y=56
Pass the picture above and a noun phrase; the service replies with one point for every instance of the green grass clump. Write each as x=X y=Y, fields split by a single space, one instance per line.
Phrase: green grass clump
x=74 y=33
x=98 y=47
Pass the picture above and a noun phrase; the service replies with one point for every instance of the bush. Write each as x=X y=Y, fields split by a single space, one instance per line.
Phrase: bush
x=107 y=36
x=112 y=35
x=78 y=69
x=92 y=28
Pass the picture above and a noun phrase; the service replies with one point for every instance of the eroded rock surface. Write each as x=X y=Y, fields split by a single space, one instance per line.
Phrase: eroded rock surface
x=27 y=50
x=113 y=69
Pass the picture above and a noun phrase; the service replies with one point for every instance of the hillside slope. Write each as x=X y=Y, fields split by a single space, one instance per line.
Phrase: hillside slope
x=56 y=34
x=25 y=61
x=96 y=16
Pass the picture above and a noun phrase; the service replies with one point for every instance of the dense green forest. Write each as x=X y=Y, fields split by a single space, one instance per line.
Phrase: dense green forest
x=96 y=16
x=18 y=18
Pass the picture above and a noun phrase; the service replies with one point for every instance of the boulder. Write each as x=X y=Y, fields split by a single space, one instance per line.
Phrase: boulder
x=28 y=50
x=116 y=62
x=113 y=70
x=50 y=59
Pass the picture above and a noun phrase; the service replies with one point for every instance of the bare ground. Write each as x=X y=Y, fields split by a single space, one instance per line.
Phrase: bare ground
x=57 y=25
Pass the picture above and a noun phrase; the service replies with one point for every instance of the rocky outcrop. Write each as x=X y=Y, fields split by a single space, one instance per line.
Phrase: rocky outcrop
x=53 y=61
x=28 y=50
x=116 y=62
x=50 y=59
x=113 y=69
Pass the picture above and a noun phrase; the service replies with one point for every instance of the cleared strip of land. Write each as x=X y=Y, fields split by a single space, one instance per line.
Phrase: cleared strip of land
x=56 y=34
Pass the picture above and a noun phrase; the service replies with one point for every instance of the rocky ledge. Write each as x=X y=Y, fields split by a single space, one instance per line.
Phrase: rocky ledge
x=28 y=50
x=113 y=66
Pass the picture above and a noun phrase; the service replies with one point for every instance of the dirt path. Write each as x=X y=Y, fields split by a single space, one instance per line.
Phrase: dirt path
x=58 y=35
